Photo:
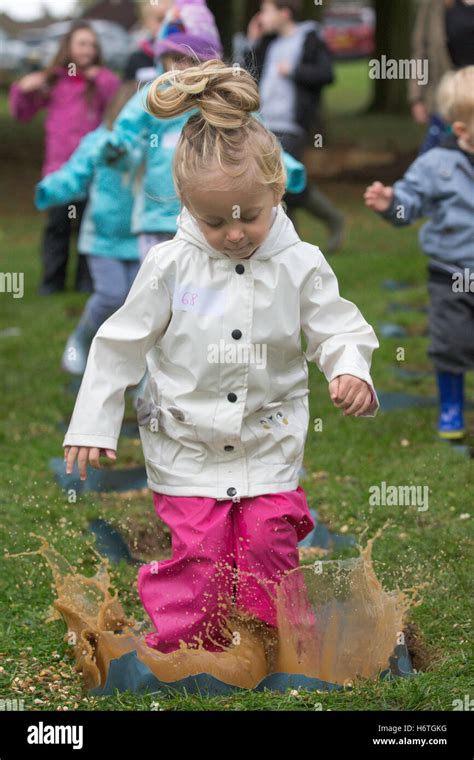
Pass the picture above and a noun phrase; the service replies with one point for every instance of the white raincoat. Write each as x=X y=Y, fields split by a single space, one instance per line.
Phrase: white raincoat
x=225 y=413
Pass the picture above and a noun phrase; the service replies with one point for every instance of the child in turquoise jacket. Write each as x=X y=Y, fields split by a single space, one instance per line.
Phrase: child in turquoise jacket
x=105 y=237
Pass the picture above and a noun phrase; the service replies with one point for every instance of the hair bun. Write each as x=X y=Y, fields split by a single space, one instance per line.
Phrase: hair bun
x=225 y=95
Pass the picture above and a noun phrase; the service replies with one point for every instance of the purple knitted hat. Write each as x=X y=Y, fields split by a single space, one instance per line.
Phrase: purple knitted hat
x=190 y=30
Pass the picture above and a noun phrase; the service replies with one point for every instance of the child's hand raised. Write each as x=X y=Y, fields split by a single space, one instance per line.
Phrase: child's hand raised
x=352 y=394
x=378 y=197
x=84 y=455
x=32 y=82
x=91 y=72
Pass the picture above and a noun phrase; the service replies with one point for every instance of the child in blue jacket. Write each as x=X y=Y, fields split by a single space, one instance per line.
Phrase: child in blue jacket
x=440 y=185
x=105 y=236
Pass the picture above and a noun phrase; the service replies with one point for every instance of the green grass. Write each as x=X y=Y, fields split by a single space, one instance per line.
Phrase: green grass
x=415 y=548
x=346 y=120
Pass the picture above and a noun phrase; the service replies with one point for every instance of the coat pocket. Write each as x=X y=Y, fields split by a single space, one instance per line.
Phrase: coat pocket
x=170 y=440
x=276 y=434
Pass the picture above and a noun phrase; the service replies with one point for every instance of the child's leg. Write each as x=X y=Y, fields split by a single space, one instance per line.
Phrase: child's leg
x=186 y=596
x=131 y=271
x=311 y=198
x=111 y=285
x=267 y=530
x=55 y=248
x=451 y=326
x=84 y=283
x=83 y=280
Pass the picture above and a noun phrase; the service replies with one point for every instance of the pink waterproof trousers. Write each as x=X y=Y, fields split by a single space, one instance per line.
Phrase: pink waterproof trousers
x=187 y=596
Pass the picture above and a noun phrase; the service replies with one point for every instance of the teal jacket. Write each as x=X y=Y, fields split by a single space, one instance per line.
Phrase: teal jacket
x=106 y=224
x=156 y=205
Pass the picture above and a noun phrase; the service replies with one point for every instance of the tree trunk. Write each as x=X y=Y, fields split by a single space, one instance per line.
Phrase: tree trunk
x=394 y=23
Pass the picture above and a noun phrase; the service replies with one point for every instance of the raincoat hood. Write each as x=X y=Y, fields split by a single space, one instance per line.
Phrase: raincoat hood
x=281 y=236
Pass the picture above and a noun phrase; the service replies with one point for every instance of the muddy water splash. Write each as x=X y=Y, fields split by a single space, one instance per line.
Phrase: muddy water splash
x=335 y=622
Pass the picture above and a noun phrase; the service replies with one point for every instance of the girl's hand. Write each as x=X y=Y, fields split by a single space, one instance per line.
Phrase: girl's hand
x=34 y=81
x=378 y=197
x=91 y=72
x=85 y=454
x=352 y=394
x=254 y=29
x=284 y=69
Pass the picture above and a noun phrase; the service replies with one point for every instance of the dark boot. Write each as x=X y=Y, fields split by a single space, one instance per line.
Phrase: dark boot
x=75 y=354
x=317 y=203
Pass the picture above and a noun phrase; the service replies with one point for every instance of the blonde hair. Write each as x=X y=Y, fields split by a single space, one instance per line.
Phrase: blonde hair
x=224 y=133
x=455 y=96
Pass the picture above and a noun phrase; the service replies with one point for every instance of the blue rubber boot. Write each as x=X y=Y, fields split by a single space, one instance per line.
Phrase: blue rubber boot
x=451 y=397
x=75 y=354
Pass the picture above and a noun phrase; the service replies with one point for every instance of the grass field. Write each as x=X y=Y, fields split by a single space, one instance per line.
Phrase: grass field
x=342 y=463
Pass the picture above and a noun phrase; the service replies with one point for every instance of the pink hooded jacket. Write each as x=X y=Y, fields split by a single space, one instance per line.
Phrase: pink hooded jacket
x=69 y=115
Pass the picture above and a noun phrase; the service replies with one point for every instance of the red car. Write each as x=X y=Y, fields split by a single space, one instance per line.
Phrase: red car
x=349 y=32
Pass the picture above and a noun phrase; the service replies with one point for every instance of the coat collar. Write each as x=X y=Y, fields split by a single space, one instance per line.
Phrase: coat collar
x=281 y=235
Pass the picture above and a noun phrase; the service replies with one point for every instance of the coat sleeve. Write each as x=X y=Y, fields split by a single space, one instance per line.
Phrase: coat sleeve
x=413 y=194
x=117 y=359
x=339 y=340
x=70 y=182
x=132 y=125
x=296 y=173
x=316 y=69
x=25 y=105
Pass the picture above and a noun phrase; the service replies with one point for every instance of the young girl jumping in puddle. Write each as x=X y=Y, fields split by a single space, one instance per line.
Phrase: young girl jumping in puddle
x=217 y=315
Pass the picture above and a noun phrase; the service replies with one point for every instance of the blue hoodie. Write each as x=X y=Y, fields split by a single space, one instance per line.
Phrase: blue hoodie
x=156 y=205
x=440 y=185
x=106 y=224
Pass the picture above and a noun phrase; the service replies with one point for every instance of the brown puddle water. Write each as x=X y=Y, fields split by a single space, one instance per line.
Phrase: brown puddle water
x=335 y=623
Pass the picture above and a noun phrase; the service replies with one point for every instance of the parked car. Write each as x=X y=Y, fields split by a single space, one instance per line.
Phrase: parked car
x=349 y=31
x=112 y=37
x=32 y=40
x=12 y=53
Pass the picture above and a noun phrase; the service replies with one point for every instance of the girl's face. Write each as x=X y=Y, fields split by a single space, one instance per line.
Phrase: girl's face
x=235 y=222
x=83 y=48
x=272 y=18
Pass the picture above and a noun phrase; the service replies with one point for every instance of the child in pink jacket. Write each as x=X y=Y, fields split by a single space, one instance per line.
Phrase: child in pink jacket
x=75 y=90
